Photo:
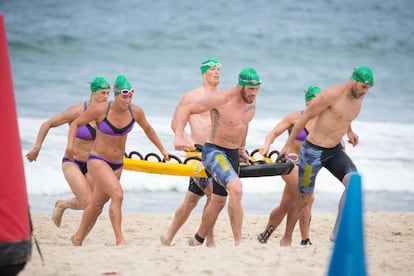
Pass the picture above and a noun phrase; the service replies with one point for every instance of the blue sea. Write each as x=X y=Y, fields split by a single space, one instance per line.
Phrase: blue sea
x=57 y=47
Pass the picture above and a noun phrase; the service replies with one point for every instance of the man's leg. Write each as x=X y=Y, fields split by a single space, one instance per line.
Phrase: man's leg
x=340 y=205
x=210 y=236
x=235 y=209
x=304 y=222
x=208 y=219
x=180 y=217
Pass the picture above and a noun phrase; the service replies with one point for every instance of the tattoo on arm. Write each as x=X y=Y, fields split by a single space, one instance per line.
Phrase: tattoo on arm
x=216 y=122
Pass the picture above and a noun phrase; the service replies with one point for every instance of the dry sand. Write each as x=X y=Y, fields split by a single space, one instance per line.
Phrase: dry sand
x=389 y=247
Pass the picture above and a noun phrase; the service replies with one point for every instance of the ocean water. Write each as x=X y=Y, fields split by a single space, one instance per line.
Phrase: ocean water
x=56 y=49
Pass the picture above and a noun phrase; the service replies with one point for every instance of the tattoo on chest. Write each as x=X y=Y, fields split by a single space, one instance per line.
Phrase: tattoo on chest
x=250 y=108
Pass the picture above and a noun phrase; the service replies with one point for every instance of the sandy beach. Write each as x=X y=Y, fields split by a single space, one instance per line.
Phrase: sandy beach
x=389 y=243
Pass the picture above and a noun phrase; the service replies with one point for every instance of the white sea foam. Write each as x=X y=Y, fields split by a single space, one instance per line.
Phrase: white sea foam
x=384 y=158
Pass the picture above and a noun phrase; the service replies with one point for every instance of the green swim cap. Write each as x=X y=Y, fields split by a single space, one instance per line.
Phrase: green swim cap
x=209 y=63
x=249 y=77
x=121 y=83
x=99 y=83
x=311 y=92
x=363 y=74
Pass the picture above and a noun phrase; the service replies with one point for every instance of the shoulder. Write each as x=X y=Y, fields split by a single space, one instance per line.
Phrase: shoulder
x=328 y=96
x=97 y=109
x=67 y=116
x=192 y=95
x=138 y=111
x=333 y=91
x=99 y=106
x=292 y=117
x=227 y=94
x=72 y=111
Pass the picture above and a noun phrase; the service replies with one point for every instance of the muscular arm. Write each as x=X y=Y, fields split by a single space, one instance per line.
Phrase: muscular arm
x=314 y=109
x=186 y=99
x=185 y=108
x=242 y=150
x=178 y=123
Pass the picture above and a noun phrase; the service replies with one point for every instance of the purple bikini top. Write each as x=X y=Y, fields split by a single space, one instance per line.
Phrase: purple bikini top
x=302 y=134
x=86 y=132
x=106 y=127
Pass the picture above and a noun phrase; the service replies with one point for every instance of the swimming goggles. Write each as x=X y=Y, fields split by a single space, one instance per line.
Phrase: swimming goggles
x=126 y=91
x=211 y=64
x=104 y=86
x=362 y=78
x=253 y=82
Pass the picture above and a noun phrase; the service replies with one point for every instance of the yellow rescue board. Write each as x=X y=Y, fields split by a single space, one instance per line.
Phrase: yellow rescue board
x=195 y=168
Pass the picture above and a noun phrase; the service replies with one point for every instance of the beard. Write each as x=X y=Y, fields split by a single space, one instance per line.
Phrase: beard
x=246 y=98
x=354 y=92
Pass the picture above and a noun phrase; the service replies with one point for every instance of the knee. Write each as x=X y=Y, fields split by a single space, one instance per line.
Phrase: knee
x=218 y=203
x=306 y=200
x=311 y=199
x=99 y=210
x=97 y=207
x=192 y=202
x=208 y=191
x=117 y=196
x=235 y=190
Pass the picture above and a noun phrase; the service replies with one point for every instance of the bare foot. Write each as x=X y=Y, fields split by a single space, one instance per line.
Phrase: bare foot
x=57 y=213
x=285 y=242
x=210 y=243
x=193 y=242
x=75 y=241
x=165 y=241
x=122 y=242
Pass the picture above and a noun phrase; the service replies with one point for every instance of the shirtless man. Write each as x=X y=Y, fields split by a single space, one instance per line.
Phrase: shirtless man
x=200 y=126
x=333 y=111
x=231 y=110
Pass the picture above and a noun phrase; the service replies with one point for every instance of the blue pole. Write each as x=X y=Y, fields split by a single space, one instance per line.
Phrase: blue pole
x=348 y=257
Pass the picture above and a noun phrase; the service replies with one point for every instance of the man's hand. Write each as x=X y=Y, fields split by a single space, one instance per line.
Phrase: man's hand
x=244 y=156
x=180 y=143
x=353 y=138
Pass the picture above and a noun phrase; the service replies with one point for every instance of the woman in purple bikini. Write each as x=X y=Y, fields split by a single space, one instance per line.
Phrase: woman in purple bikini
x=74 y=170
x=287 y=203
x=114 y=120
